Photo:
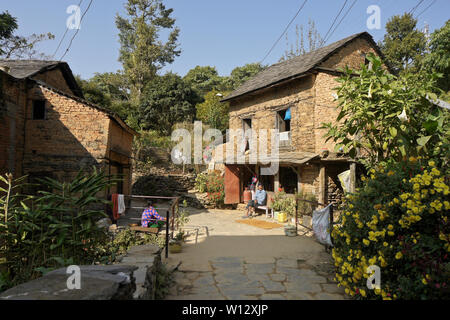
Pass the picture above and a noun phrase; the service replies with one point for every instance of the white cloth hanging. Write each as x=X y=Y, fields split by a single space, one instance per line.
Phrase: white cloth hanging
x=121 y=204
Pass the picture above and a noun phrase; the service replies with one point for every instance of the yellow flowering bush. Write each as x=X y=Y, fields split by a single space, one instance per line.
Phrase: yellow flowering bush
x=398 y=220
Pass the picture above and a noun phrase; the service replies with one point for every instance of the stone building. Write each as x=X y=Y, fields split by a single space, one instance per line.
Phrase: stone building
x=47 y=129
x=302 y=86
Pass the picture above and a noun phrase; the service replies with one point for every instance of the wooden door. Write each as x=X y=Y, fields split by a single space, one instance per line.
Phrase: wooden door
x=232 y=184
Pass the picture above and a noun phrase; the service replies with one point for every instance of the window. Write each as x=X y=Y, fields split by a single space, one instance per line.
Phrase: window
x=367 y=62
x=39 y=110
x=247 y=126
x=284 y=120
x=283 y=124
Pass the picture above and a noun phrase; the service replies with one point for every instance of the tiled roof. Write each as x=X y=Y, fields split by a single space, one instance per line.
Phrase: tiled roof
x=292 y=68
x=22 y=69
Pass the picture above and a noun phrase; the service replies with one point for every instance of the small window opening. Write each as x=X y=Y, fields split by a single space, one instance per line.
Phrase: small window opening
x=284 y=120
x=39 y=110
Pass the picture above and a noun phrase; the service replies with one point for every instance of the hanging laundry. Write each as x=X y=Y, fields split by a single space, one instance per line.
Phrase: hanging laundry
x=121 y=204
x=288 y=114
x=115 y=201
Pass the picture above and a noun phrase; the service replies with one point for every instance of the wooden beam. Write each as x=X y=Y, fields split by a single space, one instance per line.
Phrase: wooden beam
x=322 y=184
x=352 y=177
x=276 y=180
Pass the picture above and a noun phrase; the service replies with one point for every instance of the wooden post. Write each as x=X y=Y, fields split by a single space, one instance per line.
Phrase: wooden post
x=322 y=184
x=167 y=233
x=352 y=177
x=276 y=179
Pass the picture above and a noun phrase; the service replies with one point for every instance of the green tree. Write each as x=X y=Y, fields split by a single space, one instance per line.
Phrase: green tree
x=240 y=75
x=203 y=79
x=213 y=112
x=438 y=60
x=166 y=101
x=18 y=47
x=384 y=117
x=109 y=90
x=142 y=50
x=403 y=44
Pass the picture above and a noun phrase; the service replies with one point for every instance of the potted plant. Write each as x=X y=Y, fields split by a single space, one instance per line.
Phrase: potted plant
x=277 y=204
x=174 y=246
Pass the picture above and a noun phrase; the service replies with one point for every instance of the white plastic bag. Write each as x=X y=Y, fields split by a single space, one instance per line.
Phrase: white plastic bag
x=321 y=225
x=344 y=178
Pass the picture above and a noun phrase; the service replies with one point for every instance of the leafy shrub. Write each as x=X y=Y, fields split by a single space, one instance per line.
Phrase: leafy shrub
x=54 y=229
x=399 y=220
x=306 y=208
x=284 y=203
x=200 y=182
x=182 y=216
x=215 y=188
x=122 y=242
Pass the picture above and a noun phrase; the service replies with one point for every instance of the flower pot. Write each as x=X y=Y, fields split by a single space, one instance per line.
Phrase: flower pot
x=282 y=217
x=290 y=231
x=275 y=214
x=175 y=247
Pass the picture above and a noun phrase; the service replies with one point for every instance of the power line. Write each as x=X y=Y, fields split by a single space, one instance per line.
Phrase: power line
x=281 y=36
x=414 y=8
x=334 y=21
x=64 y=36
x=78 y=30
x=434 y=1
x=342 y=19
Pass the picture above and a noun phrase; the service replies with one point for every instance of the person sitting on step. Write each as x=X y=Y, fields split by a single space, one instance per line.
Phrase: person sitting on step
x=259 y=200
x=150 y=216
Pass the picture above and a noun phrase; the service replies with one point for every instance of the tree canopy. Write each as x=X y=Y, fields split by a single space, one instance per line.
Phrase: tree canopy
x=403 y=45
x=165 y=101
x=142 y=51
x=383 y=116
x=18 y=47
x=213 y=112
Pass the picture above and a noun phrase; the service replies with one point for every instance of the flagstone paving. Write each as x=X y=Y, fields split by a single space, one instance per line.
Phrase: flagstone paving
x=233 y=278
x=241 y=262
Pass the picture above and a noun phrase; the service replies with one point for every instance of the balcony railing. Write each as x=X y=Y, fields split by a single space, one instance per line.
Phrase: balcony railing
x=284 y=139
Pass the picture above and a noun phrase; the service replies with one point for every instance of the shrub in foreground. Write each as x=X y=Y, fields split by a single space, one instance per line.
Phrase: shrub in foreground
x=399 y=221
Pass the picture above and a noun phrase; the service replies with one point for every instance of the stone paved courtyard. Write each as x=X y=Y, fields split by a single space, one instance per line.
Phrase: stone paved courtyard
x=242 y=262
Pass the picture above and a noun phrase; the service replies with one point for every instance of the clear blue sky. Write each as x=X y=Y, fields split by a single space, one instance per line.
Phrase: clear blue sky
x=225 y=34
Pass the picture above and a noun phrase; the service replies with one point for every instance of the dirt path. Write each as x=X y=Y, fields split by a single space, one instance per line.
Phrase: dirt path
x=238 y=261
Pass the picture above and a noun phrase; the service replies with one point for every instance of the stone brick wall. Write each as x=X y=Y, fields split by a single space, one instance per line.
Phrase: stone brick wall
x=11 y=125
x=55 y=79
x=120 y=145
x=72 y=136
x=298 y=95
x=351 y=55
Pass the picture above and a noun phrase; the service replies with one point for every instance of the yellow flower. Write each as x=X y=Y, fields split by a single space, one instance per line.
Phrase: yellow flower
x=424 y=281
x=431 y=163
x=363 y=292
x=399 y=255
x=385 y=244
x=366 y=242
